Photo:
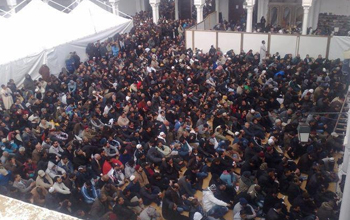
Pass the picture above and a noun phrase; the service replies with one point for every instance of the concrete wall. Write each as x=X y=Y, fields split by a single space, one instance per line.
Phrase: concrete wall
x=129 y=7
x=224 y=9
x=337 y=7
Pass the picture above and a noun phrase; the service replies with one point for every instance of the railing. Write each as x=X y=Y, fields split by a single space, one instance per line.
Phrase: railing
x=207 y=22
x=341 y=111
x=12 y=9
x=110 y=8
x=65 y=8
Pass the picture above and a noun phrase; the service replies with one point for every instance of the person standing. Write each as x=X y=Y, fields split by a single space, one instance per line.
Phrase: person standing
x=6 y=95
x=262 y=51
x=262 y=23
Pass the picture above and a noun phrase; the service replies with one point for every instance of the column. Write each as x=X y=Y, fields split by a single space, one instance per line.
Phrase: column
x=155 y=10
x=199 y=6
x=311 y=16
x=265 y=8
x=306 y=5
x=260 y=10
x=344 y=210
x=12 y=5
x=217 y=9
x=249 y=7
x=176 y=9
x=317 y=7
x=344 y=167
x=115 y=6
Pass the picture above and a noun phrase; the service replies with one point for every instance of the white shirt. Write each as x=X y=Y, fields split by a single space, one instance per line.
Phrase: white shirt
x=209 y=201
x=238 y=208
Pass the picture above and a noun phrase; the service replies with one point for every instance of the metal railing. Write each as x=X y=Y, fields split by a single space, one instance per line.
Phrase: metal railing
x=64 y=8
x=110 y=7
x=12 y=9
x=206 y=21
x=341 y=110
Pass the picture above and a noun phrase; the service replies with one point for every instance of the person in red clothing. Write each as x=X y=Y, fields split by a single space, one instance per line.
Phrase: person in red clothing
x=29 y=168
x=109 y=164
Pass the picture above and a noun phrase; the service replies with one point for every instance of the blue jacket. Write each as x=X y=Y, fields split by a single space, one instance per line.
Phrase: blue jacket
x=229 y=179
x=115 y=51
x=89 y=194
x=4 y=180
x=67 y=167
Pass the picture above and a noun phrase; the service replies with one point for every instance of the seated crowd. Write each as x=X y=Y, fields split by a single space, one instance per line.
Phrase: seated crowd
x=145 y=121
x=263 y=27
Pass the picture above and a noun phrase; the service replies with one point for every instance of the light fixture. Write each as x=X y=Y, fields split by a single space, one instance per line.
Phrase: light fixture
x=303 y=132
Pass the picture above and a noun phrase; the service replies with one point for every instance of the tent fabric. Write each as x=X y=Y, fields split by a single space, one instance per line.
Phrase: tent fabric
x=338 y=45
x=37 y=26
x=44 y=35
x=96 y=19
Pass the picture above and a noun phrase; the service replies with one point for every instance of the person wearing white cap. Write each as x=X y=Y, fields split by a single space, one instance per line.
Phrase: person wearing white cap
x=43 y=180
x=51 y=199
x=140 y=155
x=213 y=206
x=134 y=185
x=333 y=143
x=252 y=114
x=307 y=92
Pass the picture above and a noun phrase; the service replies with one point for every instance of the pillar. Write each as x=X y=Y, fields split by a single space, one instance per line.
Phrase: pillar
x=12 y=5
x=344 y=210
x=217 y=9
x=199 y=6
x=155 y=10
x=306 y=5
x=139 y=5
x=317 y=10
x=311 y=16
x=115 y=6
x=265 y=9
x=250 y=8
x=176 y=9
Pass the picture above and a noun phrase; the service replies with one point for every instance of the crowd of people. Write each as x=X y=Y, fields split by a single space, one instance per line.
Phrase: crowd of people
x=263 y=27
x=146 y=120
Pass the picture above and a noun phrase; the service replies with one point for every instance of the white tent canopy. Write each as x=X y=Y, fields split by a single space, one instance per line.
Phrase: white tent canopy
x=33 y=29
x=93 y=19
x=39 y=34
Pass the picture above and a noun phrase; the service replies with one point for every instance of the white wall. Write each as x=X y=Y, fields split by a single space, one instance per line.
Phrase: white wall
x=204 y=39
x=229 y=41
x=189 y=39
x=253 y=42
x=313 y=45
x=224 y=9
x=128 y=7
x=284 y=44
x=337 y=7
